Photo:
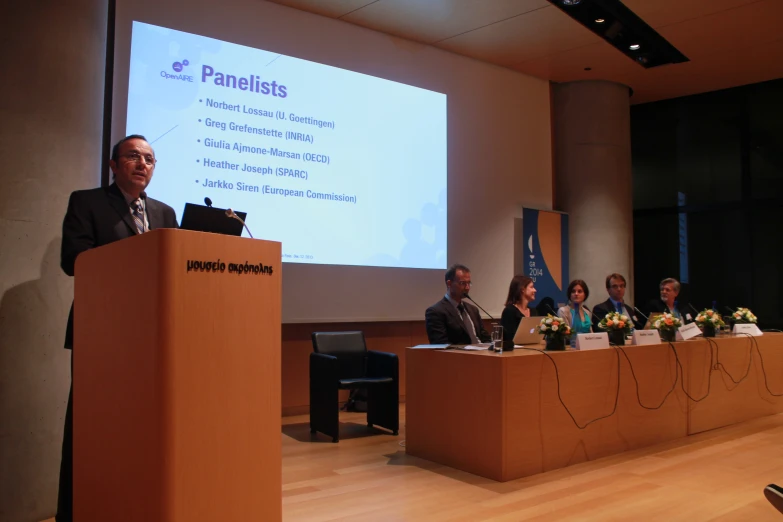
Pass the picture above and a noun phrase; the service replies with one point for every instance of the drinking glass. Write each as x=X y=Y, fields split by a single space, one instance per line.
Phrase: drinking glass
x=497 y=337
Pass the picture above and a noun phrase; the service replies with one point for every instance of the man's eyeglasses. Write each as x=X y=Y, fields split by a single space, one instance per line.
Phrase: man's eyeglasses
x=135 y=157
x=464 y=283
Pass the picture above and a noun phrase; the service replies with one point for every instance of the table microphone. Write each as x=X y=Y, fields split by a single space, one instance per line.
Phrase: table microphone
x=597 y=320
x=729 y=309
x=590 y=312
x=466 y=296
x=640 y=313
x=208 y=202
x=230 y=213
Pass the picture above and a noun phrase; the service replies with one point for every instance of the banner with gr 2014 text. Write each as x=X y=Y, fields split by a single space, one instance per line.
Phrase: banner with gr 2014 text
x=546 y=253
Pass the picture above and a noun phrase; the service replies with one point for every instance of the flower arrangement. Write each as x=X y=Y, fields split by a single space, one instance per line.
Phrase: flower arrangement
x=667 y=322
x=710 y=319
x=616 y=321
x=554 y=327
x=744 y=316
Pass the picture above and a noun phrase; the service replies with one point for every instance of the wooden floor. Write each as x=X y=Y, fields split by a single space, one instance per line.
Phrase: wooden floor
x=716 y=476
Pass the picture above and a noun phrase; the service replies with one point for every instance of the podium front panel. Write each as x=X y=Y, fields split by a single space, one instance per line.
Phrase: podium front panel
x=177 y=379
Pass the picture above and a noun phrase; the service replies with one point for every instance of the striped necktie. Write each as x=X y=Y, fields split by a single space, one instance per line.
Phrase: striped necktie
x=138 y=215
x=463 y=313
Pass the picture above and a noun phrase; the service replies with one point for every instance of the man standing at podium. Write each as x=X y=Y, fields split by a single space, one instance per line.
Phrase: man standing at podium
x=95 y=218
x=452 y=320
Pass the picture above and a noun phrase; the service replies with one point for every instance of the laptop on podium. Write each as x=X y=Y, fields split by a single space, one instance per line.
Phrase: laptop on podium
x=210 y=219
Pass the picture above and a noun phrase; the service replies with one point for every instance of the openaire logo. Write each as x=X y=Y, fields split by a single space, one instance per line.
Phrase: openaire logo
x=179 y=68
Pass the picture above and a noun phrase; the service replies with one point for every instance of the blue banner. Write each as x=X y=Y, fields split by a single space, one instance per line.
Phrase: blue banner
x=545 y=250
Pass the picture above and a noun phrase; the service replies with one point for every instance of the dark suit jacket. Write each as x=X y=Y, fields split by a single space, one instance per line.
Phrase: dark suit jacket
x=600 y=311
x=656 y=306
x=445 y=326
x=98 y=217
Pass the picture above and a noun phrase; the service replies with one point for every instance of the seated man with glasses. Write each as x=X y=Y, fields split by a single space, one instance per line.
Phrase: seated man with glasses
x=452 y=320
x=98 y=217
x=669 y=290
x=615 y=286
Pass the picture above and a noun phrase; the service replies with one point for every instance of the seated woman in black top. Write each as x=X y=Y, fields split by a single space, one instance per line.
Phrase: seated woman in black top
x=521 y=293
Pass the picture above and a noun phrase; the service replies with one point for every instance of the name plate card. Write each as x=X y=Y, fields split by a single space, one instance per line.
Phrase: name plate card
x=747 y=329
x=592 y=341
x=641 y=337
x=689 y=331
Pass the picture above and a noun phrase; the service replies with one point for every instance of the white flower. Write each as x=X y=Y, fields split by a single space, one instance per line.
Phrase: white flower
x=657 y=324
x=714 y=319
x=549 y=321
x=624 y=317
x=554 y=328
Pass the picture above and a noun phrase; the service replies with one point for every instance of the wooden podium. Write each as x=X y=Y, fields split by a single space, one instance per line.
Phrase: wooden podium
x=176 y=383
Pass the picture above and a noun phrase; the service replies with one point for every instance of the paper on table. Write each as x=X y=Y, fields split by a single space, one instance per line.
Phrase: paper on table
x=480 y=346
x=431 y=346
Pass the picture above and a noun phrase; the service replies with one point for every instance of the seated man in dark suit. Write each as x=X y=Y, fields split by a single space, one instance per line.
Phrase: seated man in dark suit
x=452 y=320
x=98 y=217
x=670 y=289
x=615 y=286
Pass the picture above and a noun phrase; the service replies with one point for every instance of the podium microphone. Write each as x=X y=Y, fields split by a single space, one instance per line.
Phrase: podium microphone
x=466 y=296
x=230 y=213
x=208 y=202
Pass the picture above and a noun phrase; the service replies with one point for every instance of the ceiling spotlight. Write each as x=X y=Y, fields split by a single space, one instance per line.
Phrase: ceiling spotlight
x=634 y=47
x=599 y=20
x=571 y=2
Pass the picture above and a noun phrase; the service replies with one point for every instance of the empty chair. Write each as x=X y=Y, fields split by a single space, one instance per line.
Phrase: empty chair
x=341 y=361
x=546 y=306
x=774 y=494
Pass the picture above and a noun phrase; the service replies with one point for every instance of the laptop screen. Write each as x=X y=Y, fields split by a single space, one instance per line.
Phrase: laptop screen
x=211 y=219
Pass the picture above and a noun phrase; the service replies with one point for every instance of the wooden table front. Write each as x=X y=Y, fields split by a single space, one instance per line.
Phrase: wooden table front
x=499 y=415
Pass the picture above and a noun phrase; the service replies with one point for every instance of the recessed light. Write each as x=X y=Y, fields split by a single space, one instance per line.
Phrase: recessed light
x=571 y=2
x=599 y=20
x=634 y=47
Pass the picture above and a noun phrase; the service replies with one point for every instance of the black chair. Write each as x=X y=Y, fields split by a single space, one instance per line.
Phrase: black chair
x=774 y=494
x=341 y=361
x=546 y=306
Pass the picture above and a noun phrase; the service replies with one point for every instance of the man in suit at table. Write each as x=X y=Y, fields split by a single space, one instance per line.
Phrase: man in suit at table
x=615 y=287
x=95 y=218
x=669 y=289
x=452 y=320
